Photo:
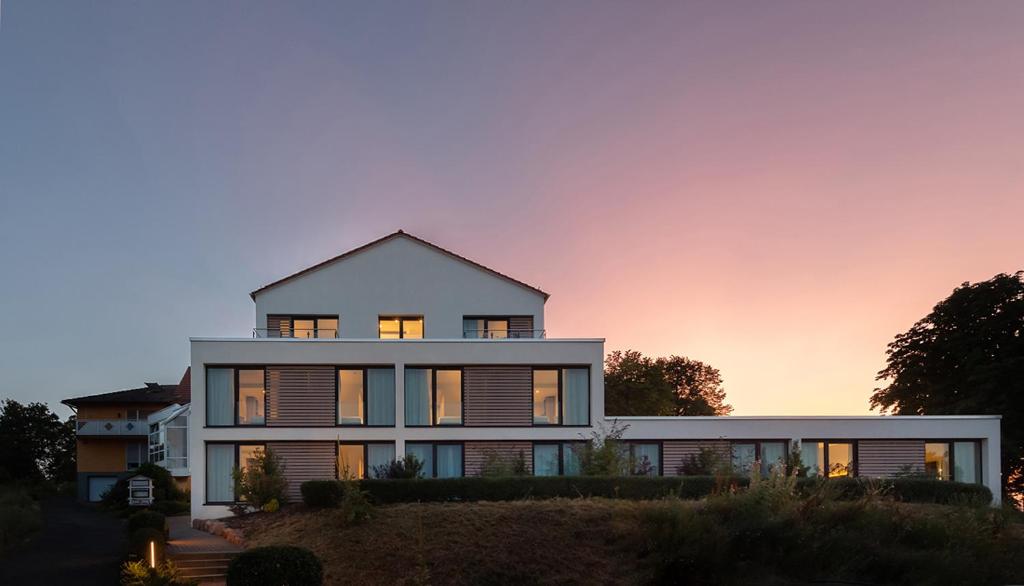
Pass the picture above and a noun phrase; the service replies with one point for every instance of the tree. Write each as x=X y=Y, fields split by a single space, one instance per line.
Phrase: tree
x=260 y=482
x=965 y=357
x=34 y=443
x=635 y=384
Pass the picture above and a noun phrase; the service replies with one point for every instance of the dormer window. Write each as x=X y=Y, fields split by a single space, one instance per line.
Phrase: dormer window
x=302 y=326
x=393 y=327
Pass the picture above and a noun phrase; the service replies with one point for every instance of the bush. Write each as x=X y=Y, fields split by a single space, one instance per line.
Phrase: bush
x=261 y=481
x=355 y=506
x=405 y=467
x=164 y=489
x=499 y=465
x=151 y=519
x=138 y=542
x=905 y=489
x=276 y=565
x=543 y=487
x=322 y=493
x=138 y=573
x=19 y=516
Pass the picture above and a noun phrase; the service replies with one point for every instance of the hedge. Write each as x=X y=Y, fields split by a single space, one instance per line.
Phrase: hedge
x=275 y=565
x=322 y=493
x=911 y=490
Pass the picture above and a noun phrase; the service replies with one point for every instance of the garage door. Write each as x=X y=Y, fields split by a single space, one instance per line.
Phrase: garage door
x=99 y=485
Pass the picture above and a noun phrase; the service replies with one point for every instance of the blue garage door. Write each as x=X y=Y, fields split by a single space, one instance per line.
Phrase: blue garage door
x=99 y=485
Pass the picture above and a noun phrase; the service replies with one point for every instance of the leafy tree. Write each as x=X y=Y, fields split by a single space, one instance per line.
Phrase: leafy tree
x=639 y=385
x=606 y=454
x=261 y=482
x=965 y=357
x=34 y=443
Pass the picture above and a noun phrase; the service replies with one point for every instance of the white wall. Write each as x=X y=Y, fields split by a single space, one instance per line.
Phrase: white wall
x=400 y=277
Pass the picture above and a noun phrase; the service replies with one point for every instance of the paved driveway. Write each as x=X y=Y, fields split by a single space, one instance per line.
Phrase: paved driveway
x=78 y=545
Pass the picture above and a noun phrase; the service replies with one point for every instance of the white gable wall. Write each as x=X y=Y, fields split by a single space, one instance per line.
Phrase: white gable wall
x=399 y=277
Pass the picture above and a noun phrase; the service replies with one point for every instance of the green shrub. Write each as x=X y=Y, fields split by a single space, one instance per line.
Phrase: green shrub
x=500 y=465
x=355 y=506
x=139 y=539
x=19 y=517
x=905 y=489
x=145 y=518
x=261 y=481
x=322 y=493
x=406 y=467
x=164 y=488
x=138 y=573
x=277 y=565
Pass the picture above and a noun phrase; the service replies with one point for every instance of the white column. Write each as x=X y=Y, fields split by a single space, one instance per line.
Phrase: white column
x=991 y=465
x=399 y=410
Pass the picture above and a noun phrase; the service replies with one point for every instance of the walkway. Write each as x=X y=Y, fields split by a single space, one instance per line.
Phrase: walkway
x=78 y=545
x=185 y=539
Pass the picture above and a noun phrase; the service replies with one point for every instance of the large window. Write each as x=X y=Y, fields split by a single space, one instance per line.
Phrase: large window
x=366 y=396
x=828 y=458
x=400 y=327
x=235 y=396
x=485 y=327
x=561 y=396
x=364 y=459
x=958 y=461
x=556 y=459
x=221 y=461
x=645 y=458
x=315 y=326
x=440 y=460
x=433 y=396
x=770 y=454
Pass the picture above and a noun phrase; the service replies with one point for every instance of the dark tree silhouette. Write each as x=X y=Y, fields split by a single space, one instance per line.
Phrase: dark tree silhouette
x=966 y=357
x=34 y=443
x=635 y=384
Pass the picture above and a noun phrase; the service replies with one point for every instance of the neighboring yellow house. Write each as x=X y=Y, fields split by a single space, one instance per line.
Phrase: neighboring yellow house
x=113 y=432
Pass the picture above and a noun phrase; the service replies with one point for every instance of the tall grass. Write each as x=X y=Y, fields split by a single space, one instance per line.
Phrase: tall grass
x=19 y=516
x=772 y=533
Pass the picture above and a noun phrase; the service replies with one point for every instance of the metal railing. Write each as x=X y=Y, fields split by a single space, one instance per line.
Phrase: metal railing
x=502 y=334
x=308 y=333
x=112 y=427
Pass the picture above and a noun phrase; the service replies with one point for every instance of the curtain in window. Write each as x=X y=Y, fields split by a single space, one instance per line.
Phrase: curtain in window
x=220 y=396
x=220 y=461
x=743 y=456
x=378 y=455
x=417 y=396
x=570 y=461
x=651 y=453
x=449 y=461
x=545 y=459
x=965 y=459
x=380 y=396
x=773 y=455
x=576 y=396
x=470 y=328
x=425 y=454
x=812 y=456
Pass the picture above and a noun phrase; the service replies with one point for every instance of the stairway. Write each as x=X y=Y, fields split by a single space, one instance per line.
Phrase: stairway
x=207 y=566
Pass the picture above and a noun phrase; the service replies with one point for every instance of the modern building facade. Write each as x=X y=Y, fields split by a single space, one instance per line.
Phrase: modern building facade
x=113 y=433
x=402 y=347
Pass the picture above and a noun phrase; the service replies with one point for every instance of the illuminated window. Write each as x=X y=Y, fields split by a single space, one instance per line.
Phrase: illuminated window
x=350 y=397
x=561 y=396
x=485 y=327
x=448 y=397
x=351 y=461
x=247 y=455
x=834 y=459
x=251 y=397
x=400 y=327
x=958 y=461
x=545 y=397
x=303 y=326
x=433 y=396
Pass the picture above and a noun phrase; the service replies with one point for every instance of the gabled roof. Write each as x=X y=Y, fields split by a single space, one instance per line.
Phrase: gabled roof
x=393 y=235
x=151 y=393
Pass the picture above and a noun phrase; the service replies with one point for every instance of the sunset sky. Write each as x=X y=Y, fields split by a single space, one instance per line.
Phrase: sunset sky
x=775 y=188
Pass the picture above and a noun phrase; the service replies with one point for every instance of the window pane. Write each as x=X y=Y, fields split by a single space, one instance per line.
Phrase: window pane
x=743 y=456
x=380 y=392
x=327 y=327
x=646 y=459
x=545 y=397
x=220 y=461
x=449 y=461
x=389 y=328
x=576 y=395
x=247 y=455
x=303 y=328
x=545 y=459
x=251 y=397
x=424 y=453
x=773 y=455
x=840 y=460
x=497 y=328
x=570 y=460
x=350 y=397
x=812 y=455
x=449 y=397
x=936 y=460
x=350 y=461
x=412 y=327
x=472 y=328
x=378 y=455
x=417 y=396
x=965 y=454
x=220 y=396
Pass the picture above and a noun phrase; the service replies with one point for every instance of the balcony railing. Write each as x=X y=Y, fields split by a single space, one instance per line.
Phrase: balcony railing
x=294 y=333
x=502 y=334
x=113 y=427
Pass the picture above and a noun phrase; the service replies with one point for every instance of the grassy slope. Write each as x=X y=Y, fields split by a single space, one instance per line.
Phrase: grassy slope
x=563 y=541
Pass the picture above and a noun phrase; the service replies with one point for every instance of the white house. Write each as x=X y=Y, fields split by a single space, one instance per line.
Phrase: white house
x=402 y=347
